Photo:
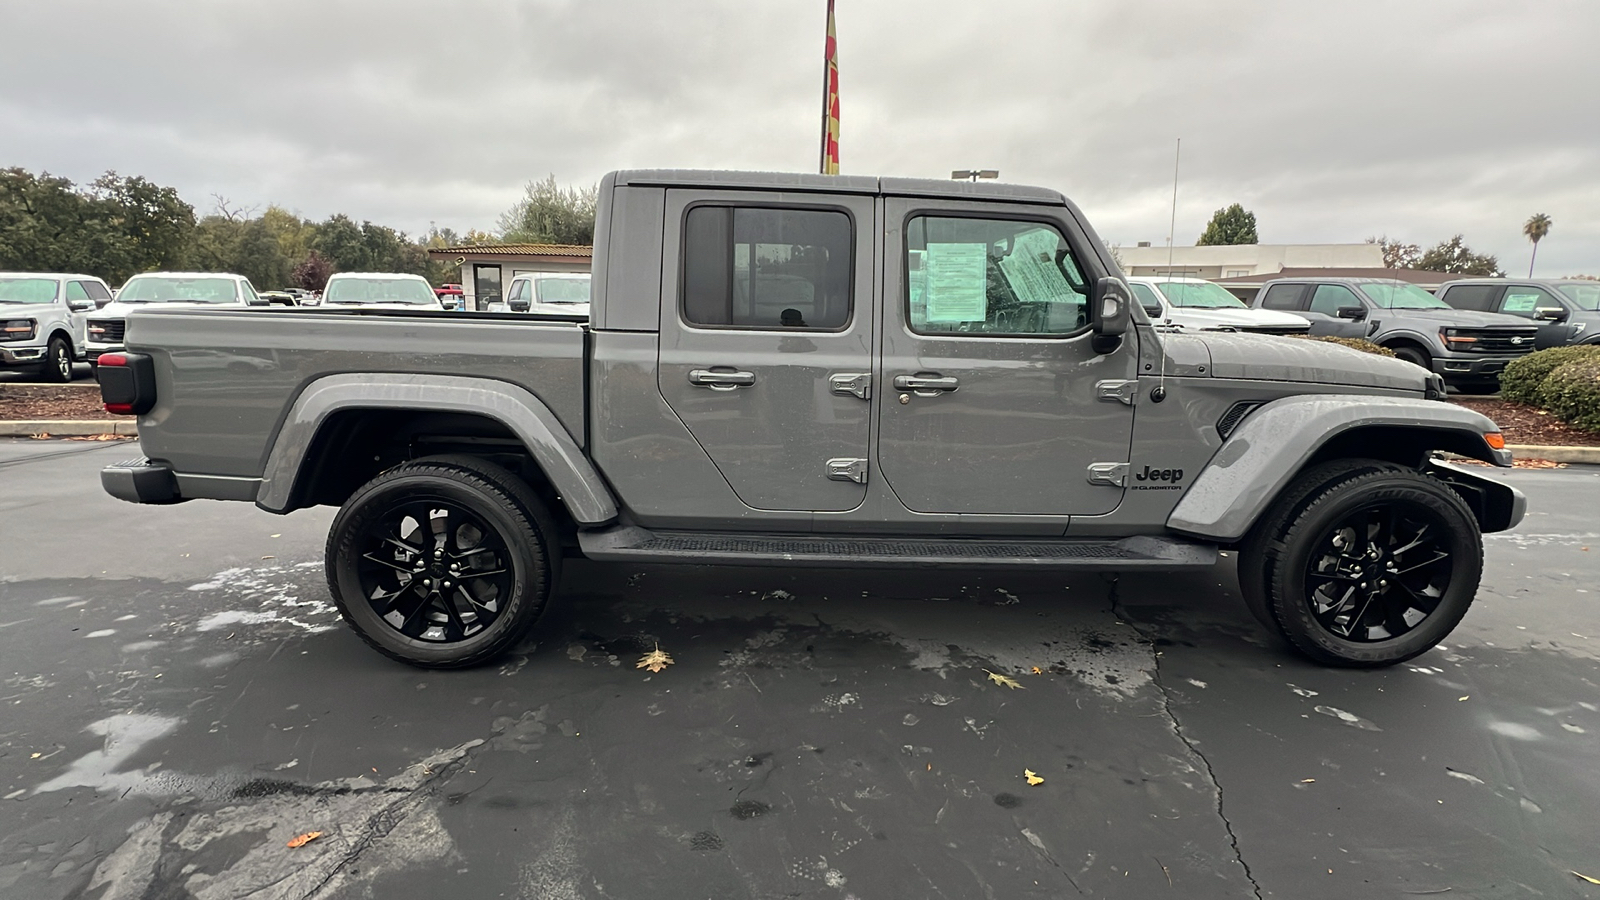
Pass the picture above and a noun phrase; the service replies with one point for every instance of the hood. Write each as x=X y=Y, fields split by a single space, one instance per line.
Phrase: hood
x=1465 y=318
x=1208 y=318
x=117 y=309
x=27 y=310
x=1264 y=358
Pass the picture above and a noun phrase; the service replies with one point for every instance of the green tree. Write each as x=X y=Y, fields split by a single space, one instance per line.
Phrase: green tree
x=340 y=242
x=1397 y=255
x=549 y=214
x=1455 y=257
x=113 y=228
x=1231 y=225
x=1537 y=226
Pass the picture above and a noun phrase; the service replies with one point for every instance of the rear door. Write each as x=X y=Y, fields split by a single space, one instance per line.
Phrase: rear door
x=766 y=340
x=989 y=401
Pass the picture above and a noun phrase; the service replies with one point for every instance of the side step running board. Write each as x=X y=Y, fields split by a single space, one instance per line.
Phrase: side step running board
x=636 y=544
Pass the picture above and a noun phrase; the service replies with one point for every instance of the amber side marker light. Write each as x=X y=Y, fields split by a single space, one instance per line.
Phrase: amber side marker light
x=1495 y=440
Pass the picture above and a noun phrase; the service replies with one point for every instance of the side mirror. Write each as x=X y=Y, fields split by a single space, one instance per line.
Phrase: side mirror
x=81 y=305
x=519 y=305
x=1551 y=314
x=1109 y=312
x=1353 y=313
x=257 y=301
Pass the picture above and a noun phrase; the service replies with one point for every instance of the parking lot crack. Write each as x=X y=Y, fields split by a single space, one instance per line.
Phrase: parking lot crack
x=1177 y=728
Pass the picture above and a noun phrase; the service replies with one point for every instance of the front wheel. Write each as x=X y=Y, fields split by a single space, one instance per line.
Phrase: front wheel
x=1414 y=355
x=1370 y=567
x=443 y=562
x=57 y=367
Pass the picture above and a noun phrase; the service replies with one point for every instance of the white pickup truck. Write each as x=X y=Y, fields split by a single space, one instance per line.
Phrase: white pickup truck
x=42 y=321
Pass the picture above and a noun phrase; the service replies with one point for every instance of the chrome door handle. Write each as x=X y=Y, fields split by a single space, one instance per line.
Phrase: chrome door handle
x=925 y=383
x=721 y=381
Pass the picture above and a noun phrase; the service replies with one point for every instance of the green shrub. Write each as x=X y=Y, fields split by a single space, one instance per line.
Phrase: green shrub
x=1353 y=343
x=1522 y=377
x=1572 y=393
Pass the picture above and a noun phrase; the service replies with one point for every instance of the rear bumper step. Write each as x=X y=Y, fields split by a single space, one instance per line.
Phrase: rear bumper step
x=635 y=544
x=140 y=481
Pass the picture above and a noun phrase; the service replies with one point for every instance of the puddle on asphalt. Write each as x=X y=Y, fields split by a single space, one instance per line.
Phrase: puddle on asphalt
x=125 y=735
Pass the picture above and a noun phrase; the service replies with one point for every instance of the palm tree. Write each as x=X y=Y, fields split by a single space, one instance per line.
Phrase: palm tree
x=1535 y=228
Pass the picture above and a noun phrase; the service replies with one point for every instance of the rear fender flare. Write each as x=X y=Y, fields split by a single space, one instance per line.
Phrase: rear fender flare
x=1277 y=441
x=581 y=488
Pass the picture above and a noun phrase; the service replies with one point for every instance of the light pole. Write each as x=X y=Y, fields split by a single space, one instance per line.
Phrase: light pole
x=974 y=174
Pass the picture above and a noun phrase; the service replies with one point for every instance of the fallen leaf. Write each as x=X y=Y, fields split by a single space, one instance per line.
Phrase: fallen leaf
x=1038 y=671
x=1308 y=781
x=1585 y=877
x=304 y=839
x=269 y=557
x=1032 y=778
x=1003 y=680
x=655 y=660
x=1459 y=699
x=36 y=756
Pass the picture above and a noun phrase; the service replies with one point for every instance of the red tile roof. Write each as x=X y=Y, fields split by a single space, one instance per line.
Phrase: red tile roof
x=567 y=251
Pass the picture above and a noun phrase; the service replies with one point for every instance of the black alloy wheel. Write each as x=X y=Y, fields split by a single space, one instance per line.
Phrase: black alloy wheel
x=1362 y=563
x=433 y=570
x=442 y=562
x=1379 y=572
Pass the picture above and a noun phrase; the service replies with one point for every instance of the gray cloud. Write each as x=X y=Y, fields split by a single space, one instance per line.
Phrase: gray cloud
x=1331 y=121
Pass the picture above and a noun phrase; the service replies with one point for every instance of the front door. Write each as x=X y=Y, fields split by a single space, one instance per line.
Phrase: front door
x=988 y=378
x=766 y=341
x=1525 y=300
x=1323 y=312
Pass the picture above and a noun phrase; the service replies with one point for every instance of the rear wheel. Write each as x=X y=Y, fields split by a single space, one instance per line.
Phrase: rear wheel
x=1371 y=566
x=443 y=562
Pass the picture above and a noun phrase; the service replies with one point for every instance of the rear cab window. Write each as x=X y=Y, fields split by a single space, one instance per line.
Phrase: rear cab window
x=1480 y=297
x=1283 y=296
x=767 y=268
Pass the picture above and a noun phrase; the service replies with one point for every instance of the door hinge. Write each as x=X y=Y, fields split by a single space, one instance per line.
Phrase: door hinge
x=857 y=383
x=1116 y=390
x=846 y=468
x=1112 y=474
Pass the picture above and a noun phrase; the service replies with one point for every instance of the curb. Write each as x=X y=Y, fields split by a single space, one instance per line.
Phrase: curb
x=1582 y=455
x=67 y=427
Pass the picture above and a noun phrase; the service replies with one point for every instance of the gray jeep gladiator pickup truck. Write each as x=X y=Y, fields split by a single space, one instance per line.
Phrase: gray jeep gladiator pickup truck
x=829 y=371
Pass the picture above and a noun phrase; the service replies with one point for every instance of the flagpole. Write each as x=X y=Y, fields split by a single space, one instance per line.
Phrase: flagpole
x=828 y=163
x=822 y=153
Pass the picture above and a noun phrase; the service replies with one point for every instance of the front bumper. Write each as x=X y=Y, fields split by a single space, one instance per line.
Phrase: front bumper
x=92 y=350
x=22 y=356
x=140 y=481
x=1457 y=369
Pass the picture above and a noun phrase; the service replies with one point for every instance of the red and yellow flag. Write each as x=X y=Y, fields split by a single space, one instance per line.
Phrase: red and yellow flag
x=830 y=101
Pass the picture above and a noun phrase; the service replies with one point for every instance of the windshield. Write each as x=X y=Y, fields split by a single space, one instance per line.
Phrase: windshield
x=1391 y=295
x=1199 y=295
x=1587 y=296
x=169 y=289
x=27 y=290
x=379 y=290
x=563 y=290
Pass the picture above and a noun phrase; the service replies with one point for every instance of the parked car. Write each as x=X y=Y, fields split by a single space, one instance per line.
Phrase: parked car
x=758 y=384
x=1565 y=311
x=278 y=298
x=165 y=289
x=379 y=289
x=1200 y=305
x=43 y=320
x=450 y=295
x=548 y=293
x=1468 y=348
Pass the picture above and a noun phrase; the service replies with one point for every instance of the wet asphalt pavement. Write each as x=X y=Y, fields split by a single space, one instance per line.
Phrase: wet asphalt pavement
x=179 y=699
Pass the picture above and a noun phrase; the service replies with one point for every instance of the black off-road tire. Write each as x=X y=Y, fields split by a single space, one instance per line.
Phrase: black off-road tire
x=501 y=501
x=1326 y=497
x=57 y=367
x=1414 y=355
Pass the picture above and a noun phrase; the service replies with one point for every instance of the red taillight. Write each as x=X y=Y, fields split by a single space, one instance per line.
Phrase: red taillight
x=121 y=409
x=112 y=359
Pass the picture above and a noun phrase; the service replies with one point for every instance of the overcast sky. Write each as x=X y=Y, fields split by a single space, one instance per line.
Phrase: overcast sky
x=1331 y=121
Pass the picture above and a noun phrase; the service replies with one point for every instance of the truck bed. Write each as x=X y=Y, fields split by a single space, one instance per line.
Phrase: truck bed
x=227 y=378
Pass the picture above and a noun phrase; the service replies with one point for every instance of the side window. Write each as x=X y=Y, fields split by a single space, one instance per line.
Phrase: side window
x=992 y=277
x=1524 y=301
x=76 y=291
x=1472 y=296
x=1283 y=296
x=1329 y=298
x=518 y=290
x=1147 y=299
x=767 y=268
x=246 y=291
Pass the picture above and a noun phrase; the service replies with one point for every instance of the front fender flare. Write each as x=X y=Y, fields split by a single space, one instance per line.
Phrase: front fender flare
x=1275 y=442
x=582 y=490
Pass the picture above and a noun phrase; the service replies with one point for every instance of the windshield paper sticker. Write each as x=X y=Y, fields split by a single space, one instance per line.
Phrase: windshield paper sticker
x=1031 y=268
x=956 y=282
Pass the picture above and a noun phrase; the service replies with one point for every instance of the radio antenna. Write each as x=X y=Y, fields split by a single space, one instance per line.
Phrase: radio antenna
x=1160 y=392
